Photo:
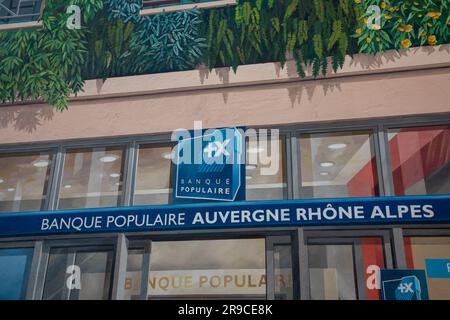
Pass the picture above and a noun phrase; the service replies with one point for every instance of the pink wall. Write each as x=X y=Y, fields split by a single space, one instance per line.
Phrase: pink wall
x=354 y=97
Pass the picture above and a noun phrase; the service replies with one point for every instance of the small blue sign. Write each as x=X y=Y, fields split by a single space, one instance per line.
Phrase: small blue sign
x=404 y=285
x=210 y=166
x=438 y=268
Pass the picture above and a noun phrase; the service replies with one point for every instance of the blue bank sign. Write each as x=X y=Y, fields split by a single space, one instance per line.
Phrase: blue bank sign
x=404 y=285
x=210 y=166
x=290 y=213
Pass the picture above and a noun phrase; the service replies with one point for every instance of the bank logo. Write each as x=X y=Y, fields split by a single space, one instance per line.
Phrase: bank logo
x=210 y=166
x=404 y=285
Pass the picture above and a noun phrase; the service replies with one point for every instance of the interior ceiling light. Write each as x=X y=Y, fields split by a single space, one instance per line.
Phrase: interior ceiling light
x=256 y=150
x=114 y=175
x=11 y=189
x=250 y=167
x=168 y=155
x=337 y=146
x=248 y=177
x=41 y=163
x=324 y=173
x=1 y=180
x=109 y=158
x=67 y=186
x=327 y=164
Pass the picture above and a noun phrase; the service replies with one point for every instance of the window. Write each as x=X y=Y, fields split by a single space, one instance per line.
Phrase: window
x=419 y=250
x=24 y=181
x=153 y=175
x=266 y=177
x=207 y=269
x=92 y=178
x=150 y=7
x=338 y=165
x=282 y=255
x=19 y=11
x=420 y=159
x=15 y=265
x=95 y=271
x=345 y=269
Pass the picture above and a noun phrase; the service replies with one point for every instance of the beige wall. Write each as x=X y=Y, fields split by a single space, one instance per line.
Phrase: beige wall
x=418 y=83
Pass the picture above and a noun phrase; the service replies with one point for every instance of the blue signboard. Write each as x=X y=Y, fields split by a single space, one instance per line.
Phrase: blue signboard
x=438 y=268
x=15 y=265
x=404 y=285
x=210 y=166
x=247 y=214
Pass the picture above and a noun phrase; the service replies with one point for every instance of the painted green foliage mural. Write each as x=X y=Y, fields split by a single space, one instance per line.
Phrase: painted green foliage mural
x=52 y=62
x=403 y=24
x=46 y=63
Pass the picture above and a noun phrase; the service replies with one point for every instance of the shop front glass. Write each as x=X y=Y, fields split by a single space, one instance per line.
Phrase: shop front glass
x=419 y=251
x=335 y=165
x=15 y=265
x=282 y=255
x=154 y=168
x=215 y=269
x=24 y=181
x=83 y=273
x=420 y=159
x=266 y=170
x=345 y=269
x=91 y=178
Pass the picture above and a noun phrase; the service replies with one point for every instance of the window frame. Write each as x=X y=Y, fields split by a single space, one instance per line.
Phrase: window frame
x=62 y=151
x=36 y=246
x=389 y=178
x=348 y=236
x=181 y=7
x=373 y=131
x=52 y=151
x=25 y=25
x=37 y=288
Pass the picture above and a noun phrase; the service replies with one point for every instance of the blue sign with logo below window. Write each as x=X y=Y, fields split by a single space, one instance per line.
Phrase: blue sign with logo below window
x=438 y=268
x=404 y=285
x=210 y=166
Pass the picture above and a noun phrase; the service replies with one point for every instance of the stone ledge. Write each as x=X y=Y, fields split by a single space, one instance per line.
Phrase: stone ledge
x=267 y=73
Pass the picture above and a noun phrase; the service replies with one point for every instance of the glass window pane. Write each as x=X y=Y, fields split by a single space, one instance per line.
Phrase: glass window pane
x=15 y=267
x=420 y=159
x=418 y=249
x=338 y=165
x=283 y=272
x=14 y=11
x=134 y=274
x=266 y=170
x=95 y=272
x=92 y=178
x=154 y=175
x=204 y=269
x=24 y=181
x=333 y=269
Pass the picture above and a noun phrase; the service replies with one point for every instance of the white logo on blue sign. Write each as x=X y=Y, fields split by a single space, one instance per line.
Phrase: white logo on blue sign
x=217 y=174
x=404 y=285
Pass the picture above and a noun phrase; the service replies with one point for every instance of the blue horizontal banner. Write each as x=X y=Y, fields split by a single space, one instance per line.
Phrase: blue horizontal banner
x=323 y=212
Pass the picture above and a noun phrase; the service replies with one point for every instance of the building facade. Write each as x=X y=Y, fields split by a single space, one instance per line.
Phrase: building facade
x=375 y=133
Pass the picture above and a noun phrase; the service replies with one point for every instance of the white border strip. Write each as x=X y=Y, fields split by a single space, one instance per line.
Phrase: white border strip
x=21 y=25
x=203 y=5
